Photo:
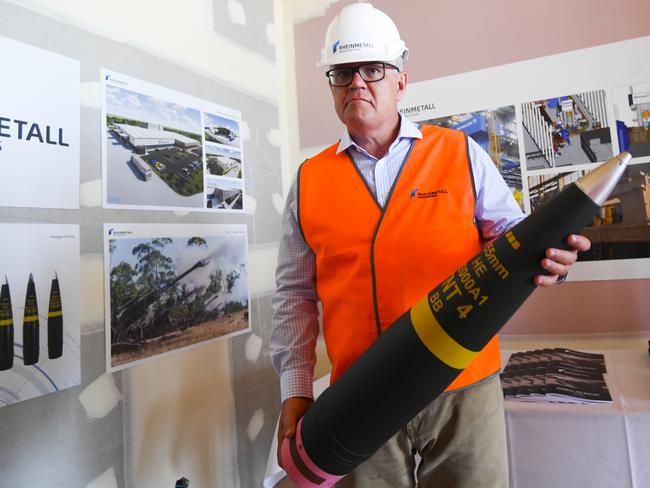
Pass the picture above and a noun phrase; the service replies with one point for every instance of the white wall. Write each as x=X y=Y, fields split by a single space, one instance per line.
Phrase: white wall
x=208 y=413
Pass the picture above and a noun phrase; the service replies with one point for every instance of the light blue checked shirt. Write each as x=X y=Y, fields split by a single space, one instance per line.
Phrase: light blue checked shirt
x=295 y=325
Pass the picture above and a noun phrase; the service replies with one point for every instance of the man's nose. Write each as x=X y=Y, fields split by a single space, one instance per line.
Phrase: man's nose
x=357 y=81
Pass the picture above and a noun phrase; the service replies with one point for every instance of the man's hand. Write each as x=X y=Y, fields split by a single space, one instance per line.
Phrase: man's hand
x=558 y=261
x=293 y=409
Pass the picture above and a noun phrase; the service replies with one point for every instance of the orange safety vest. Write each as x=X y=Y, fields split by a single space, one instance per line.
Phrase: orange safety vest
x=373 y=264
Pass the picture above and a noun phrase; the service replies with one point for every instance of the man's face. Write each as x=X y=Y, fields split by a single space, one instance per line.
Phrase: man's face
x=364 y=106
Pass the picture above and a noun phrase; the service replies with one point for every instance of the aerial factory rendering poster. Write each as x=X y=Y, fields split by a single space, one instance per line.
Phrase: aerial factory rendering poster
x=165 y=150
x=39 y=310
x=548 y=130
x=39 y=128
x=170 y=287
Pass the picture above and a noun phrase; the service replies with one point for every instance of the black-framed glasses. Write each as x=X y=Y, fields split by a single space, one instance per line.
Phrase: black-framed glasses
x=369 y=73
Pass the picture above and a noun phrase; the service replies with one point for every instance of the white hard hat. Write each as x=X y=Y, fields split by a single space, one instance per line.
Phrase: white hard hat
x=360 y=32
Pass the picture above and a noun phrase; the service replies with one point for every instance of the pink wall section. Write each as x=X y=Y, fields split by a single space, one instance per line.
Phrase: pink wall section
x=585 y=307
x=447 y=38
x=450 y=37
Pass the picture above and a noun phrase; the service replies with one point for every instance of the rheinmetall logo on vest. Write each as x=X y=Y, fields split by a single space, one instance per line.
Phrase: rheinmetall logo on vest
x=351 y=46
x=416 y=193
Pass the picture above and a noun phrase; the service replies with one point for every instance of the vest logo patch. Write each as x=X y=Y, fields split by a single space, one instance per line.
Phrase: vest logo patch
x=416 y=193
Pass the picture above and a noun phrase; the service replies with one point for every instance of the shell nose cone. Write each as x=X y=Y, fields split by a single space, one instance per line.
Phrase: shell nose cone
x=624 y=157
x=600 y=182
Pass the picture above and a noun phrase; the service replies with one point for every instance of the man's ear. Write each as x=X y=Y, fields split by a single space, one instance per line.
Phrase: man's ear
x=401 y=84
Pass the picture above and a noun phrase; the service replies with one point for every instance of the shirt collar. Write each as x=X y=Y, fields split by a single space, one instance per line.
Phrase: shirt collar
x=407 y=129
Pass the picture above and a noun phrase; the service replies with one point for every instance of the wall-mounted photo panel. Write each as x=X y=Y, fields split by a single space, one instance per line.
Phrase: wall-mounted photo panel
x=222 y=130
x=566 y=131
x=632 y=112
x=223 y=161
x=496 y=132
x=622 y=230
x=545 y=185
x=224 y=193
x=620 y=233
x=39 y=310
x=564 y=126
x=171 y=287
x=154 y=145
x=39 y=128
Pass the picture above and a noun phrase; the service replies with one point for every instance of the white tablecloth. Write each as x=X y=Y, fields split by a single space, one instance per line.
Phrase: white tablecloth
x=602 y=445
x=572 y=446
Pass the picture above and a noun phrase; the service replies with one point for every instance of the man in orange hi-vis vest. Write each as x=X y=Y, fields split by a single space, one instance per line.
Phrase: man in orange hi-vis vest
x=370 y=224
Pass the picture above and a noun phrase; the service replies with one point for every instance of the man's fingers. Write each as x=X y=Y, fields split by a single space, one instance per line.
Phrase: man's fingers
x=579 y=243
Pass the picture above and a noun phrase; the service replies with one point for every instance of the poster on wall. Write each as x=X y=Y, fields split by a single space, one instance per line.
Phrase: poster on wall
x=566 y=131
x=632 y=112
x=563 y=127
x=39 y=310
x=621 y=230
x=160 y=146
x=39 y=128
x=496 y=132
x=172 y=287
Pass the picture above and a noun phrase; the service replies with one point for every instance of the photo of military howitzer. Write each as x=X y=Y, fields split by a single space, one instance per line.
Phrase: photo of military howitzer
x=169 y=293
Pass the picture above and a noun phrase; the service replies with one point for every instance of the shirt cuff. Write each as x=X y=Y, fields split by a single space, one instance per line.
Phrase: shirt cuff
x=296 y=383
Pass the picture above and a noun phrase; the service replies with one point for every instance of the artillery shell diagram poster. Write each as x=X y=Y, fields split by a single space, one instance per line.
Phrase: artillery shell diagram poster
x=39 y=128
x=39 y=310
x=172 y=287
x=165 y=150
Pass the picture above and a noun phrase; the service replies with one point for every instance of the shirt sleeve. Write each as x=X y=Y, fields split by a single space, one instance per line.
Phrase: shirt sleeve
x=295 y=325
x=496 y=208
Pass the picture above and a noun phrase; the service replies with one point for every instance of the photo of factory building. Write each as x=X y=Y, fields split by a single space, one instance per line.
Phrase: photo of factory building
x=223 y=161
x=154 y=151
x=221 y=130
x=153 y=136
x=224 y=194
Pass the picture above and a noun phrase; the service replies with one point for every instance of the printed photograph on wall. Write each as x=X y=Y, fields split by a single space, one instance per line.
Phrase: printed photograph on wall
x=172 y=287
x=622 y=228
x=545 y=185
x=39 y=310
x=632 y=111
x=224 y=193
x=222 y=130
x=223 y=161
x=39 y=128
x=566 y=130
x=496 y=132
x=154 y=145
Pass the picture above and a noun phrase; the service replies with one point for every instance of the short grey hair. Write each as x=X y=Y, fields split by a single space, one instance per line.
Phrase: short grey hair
x=399 y=63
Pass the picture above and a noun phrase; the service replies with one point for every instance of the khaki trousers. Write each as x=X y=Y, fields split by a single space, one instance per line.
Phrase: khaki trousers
x=460 y=439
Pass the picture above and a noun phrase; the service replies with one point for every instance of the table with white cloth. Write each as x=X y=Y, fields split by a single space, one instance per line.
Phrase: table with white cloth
x=597 y=445
x=568 y=445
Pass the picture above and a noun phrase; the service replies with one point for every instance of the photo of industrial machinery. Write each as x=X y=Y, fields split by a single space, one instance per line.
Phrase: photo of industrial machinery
x=621 y=230
x=632 y=110
x=496 y=132
x=566 y=130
